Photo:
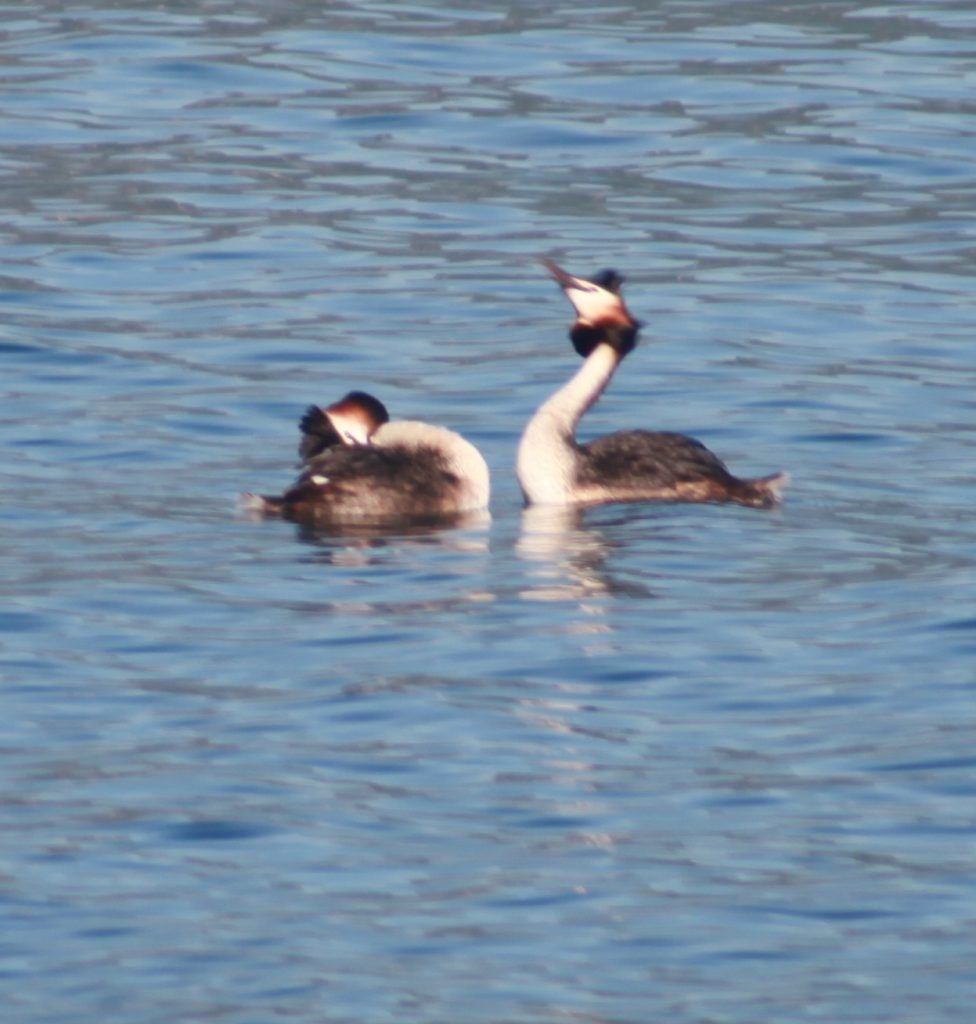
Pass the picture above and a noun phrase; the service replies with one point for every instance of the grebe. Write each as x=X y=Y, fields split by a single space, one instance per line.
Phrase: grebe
x=631 y=465
x=361 y=466
x=351 y=420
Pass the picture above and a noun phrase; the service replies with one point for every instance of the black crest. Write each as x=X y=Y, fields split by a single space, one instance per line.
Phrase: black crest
x=610 y=280
x=372 y=406
x=318 y=434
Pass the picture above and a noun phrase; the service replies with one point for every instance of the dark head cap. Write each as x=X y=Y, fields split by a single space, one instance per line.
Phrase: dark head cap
x=371 y=407
x=357 y=416
x=610 y=280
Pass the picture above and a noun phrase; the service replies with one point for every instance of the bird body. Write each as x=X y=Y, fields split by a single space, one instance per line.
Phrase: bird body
x=631 y=465
x=361 y=467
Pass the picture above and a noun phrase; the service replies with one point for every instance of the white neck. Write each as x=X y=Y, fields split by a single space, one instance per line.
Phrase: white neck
x=547 y=453
x=466 y=462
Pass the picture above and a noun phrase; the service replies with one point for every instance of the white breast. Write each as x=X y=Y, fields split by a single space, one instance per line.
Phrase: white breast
x=464 y=460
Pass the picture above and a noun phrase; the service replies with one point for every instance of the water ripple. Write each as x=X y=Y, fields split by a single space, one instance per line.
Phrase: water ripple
x=539 y=767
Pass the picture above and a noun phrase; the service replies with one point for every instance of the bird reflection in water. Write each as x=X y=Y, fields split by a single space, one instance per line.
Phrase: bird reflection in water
x=405 y=549
x=570 y=557
x=448 y=531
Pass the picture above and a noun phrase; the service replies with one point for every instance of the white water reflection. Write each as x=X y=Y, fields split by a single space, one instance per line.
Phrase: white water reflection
x=568 y=558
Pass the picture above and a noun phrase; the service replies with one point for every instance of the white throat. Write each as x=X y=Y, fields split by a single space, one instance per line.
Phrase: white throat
x=547 y=455
x=352 y=429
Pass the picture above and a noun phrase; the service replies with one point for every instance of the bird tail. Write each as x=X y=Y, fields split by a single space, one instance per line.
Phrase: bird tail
x=259 y=505
x=763 y=491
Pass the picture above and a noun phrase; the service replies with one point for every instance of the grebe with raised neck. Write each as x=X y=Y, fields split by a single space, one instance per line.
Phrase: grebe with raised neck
x=630 y=465
x=360 y=466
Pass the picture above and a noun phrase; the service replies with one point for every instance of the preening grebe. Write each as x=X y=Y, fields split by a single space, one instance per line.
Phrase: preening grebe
x=631 y=465
x=352 y=420
x=361 y=467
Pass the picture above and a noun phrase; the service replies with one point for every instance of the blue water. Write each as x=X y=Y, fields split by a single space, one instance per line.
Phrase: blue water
x=696 y=764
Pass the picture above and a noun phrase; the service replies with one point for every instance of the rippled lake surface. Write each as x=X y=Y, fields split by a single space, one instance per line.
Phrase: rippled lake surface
x=693 y=764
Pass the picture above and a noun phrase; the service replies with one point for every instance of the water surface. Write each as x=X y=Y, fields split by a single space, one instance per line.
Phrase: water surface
x=651 y=762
